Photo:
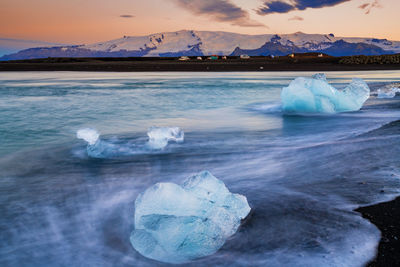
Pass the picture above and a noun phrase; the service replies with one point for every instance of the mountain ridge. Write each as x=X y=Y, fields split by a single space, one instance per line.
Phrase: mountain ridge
x=201 y=43
x=10 y=45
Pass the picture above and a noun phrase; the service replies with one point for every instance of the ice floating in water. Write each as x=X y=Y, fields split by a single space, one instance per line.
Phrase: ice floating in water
x=177 y=224
x=315 y=95
x=388 y=94
x=91 y=136
x=160 y=136
x=96 y=148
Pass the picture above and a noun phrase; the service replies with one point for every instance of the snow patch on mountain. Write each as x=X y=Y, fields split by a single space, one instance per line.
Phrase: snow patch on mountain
x=224 y=43
x=159 y=43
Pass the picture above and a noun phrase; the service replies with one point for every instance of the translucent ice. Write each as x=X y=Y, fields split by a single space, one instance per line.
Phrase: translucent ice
x=89 y=135
x=315 y=95
x=160 y=136
x=388 y=94
x=176 y=224
x=158 y=139
x=96 y=148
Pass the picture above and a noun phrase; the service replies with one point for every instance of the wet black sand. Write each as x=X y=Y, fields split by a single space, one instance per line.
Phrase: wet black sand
x=386 y=217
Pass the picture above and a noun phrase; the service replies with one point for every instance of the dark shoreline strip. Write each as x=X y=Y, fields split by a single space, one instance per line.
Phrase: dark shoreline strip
x=386 y=216
x=191 y=66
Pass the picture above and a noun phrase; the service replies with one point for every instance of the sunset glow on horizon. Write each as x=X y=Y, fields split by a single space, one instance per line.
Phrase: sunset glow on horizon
x=78 y=22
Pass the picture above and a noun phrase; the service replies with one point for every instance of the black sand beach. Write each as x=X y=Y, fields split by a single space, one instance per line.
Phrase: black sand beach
x=386 y=217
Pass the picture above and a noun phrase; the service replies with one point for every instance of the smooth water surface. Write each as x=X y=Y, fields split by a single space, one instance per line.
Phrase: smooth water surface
x=302 y=175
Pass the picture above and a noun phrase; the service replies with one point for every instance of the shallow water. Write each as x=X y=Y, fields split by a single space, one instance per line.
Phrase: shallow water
x=302 y=175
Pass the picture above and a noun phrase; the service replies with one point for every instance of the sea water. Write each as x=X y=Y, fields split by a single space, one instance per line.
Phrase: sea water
x=302 y=175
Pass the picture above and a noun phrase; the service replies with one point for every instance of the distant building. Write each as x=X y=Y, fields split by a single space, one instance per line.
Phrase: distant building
x=224 y=58
x=214 y=57
x=321 y=55
x=183 y=58
x=244 y=56
x=199 y=58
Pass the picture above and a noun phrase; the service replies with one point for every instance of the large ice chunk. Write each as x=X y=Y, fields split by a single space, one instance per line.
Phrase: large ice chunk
x=176 y=224
x=160 y=136
x=315 y=95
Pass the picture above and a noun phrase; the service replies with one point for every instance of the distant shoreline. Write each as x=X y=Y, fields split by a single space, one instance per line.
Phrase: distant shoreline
x=192 y=65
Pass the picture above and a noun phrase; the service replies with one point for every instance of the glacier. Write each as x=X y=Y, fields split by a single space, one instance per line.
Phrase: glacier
x=316 y=95
x=159 y=138
x=177 y=224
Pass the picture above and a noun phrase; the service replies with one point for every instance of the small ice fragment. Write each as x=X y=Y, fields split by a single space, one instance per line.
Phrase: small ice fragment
x=160 y=136
x=96 y=148
x=177 y=224
x=91 y=136
x=315 y=95
x=319 y=76
x=388 y=94
x=158 y=139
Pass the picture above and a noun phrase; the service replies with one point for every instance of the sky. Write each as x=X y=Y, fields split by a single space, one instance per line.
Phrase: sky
x=90 y=21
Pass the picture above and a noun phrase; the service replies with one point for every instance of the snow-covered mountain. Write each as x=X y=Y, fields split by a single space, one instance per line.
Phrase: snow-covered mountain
x=193 y=43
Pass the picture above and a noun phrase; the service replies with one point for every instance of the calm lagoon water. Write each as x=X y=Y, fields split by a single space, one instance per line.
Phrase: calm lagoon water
x=302 y=175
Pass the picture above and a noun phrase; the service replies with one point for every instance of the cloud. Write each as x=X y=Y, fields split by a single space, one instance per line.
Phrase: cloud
x=219 y=10
x=275 y=7
x=296 y=18
x=367 y=7
x=127 y=16
x=285 y=6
